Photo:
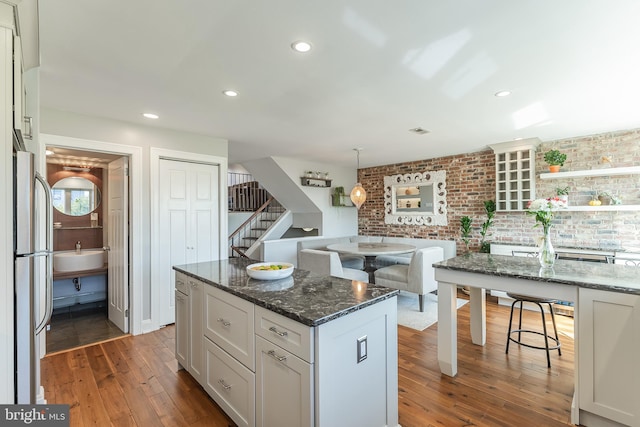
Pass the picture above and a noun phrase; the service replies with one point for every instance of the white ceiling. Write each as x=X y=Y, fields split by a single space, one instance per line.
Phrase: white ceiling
x=377 y=69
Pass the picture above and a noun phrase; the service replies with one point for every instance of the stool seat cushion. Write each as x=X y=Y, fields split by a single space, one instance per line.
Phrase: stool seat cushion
x=531 y=299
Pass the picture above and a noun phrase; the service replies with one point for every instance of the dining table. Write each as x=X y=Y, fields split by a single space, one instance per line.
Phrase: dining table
x=371 y=250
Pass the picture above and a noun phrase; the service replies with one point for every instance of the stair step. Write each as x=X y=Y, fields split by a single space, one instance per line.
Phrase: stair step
x=258 y=229
x=250 y=238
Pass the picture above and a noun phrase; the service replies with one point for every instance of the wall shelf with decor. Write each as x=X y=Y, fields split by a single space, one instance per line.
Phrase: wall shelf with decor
x=632 y=170
x=315 y=182
x=345 y=201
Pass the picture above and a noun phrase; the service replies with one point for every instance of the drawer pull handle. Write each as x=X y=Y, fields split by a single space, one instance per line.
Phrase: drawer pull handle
x=275 y=331
x=275 y=356
x=225 y=323
x=224 y=385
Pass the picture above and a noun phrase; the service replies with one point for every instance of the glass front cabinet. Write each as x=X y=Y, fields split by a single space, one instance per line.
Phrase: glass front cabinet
x=515 y=174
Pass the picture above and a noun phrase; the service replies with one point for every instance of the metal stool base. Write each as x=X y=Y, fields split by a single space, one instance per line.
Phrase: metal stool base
x=522 y=299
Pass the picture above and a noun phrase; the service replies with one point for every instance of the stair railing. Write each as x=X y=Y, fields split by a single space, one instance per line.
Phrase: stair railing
x=251 y=230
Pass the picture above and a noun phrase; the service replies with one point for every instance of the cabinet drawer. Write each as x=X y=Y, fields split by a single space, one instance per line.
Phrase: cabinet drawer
x=292 y=336
x=230 y=384
x=284 y=388
x=182 y=284
x=229 y=323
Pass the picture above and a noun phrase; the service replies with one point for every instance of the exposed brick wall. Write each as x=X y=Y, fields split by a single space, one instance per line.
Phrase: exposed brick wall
x=471 y=180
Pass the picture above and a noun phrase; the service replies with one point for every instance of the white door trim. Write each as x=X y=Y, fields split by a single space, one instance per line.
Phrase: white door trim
x=138 y=325
x=154 y=180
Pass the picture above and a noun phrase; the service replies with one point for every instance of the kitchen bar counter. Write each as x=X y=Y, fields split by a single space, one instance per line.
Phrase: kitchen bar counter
x=606 y=277
x=606 y=324
x=305 y=297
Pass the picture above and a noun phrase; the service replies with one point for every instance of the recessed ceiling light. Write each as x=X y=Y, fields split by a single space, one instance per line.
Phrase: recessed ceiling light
x=502 y=93
x=150 y=115
x=301 y=46
x=419 y=130
x=231 y=93
x=49 y=152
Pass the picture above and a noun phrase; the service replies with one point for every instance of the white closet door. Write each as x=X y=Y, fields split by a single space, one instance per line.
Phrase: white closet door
x=189 y=224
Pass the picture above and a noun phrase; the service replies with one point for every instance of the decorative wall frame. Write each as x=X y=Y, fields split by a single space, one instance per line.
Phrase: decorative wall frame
x=416 y=198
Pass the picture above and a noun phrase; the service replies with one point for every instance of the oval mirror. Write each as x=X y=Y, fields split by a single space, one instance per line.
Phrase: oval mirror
x=75 y=196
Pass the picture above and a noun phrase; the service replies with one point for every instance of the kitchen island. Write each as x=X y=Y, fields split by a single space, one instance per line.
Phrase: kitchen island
x=606 y=328
x=307 y=350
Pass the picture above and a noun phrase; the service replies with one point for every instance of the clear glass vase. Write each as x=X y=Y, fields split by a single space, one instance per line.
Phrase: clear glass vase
x=546 y=253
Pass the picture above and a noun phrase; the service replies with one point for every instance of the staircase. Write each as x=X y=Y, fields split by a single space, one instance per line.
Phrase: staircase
x=245 y=236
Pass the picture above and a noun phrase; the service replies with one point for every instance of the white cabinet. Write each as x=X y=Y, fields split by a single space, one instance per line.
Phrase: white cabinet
x=266 y=370
x=189 y=325
x=230 y=384
x=229 y=324
x=196 y=344
x=515 y=174
x=284 y=387
x=609 y=349
x=284 y=371
x=230 y=354
x=182 y=321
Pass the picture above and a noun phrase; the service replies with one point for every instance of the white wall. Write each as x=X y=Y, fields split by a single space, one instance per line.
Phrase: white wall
x=236 y=219
x=336 y=221
x=281 y=177
x=66 y=124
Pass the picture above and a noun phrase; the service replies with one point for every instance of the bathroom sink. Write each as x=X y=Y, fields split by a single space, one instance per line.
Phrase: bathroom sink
x=72 y=261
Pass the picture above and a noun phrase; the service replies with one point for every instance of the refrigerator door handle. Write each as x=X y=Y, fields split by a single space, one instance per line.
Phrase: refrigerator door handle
x=49 y=252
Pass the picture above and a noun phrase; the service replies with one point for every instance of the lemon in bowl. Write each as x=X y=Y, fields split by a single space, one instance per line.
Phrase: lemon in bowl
x=270 y=270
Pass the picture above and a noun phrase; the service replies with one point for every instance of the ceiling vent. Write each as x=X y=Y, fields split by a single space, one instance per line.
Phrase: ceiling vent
x=419 y=131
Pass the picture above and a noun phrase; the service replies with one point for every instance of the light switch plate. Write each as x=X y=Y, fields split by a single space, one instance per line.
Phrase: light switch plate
x=362 y=348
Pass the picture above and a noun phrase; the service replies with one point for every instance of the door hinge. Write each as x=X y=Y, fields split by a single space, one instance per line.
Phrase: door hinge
x=126 y=171
x=126 y=313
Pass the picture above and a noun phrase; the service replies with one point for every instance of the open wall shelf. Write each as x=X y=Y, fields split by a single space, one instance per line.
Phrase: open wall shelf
x=632 y=170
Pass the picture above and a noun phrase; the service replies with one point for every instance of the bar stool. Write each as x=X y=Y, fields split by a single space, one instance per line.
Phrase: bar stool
x=538 y=301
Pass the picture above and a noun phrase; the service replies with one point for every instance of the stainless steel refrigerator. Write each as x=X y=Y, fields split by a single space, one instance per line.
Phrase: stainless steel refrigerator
x=33 y=270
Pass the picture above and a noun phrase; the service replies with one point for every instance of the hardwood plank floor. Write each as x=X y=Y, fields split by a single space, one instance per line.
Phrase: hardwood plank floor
x=135 y=381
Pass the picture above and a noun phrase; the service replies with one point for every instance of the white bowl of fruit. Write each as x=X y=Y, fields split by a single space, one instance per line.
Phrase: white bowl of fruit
x=269 y=270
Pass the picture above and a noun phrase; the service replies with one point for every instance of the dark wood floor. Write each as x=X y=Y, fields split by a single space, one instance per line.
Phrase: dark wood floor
x=79 y=327
x=135 y=381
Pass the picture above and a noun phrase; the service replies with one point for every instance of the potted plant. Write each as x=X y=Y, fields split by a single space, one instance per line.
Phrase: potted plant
x=465 y=230
x=608 y=199
x=490 y=209
x=555 y=159
x=336 y=197
x=563 y=194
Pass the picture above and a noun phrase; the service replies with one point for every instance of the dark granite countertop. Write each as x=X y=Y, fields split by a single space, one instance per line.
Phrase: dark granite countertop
x=601 y=276
x=569 y=248
x=305 y=297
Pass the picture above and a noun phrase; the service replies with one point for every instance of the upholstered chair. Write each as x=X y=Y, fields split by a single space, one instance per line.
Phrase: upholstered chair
x=328 y=263
x=417 y=277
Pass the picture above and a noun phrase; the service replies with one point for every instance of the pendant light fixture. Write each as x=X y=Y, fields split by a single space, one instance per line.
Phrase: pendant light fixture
x=358 y=195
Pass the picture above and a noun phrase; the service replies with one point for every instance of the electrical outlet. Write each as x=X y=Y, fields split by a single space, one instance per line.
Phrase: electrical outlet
x=362 y=348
